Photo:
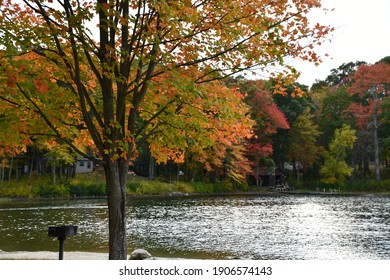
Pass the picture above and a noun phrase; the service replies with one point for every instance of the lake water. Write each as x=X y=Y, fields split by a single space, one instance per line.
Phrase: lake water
x=289 y=227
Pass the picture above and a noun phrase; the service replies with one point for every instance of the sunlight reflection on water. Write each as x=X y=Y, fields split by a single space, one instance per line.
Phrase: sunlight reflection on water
x=260 y=227
x=289 y=227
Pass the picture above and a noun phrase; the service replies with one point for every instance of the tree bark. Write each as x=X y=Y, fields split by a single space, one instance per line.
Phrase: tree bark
x=115 y=172
x=53 y=170
x=151 y=168
x=376 y=143
x=193 y=176
x=2 y=171
x=10 y=169
x=178 y=173
x=296 y=171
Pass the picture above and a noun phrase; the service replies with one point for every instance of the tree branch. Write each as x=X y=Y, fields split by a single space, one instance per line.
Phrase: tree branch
x=50 y=124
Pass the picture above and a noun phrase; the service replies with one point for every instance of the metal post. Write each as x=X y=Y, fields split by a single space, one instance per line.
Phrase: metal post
x=61 y=249
x=61 y=232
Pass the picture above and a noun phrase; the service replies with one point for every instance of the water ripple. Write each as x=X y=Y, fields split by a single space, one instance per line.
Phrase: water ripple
x=260 y=227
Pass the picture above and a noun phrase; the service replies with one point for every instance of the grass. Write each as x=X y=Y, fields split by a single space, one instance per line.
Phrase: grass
x=86 y=185
x=373 y=186
x=156 y=187
x=42 y=186
x=92 y=185
x=356 y=186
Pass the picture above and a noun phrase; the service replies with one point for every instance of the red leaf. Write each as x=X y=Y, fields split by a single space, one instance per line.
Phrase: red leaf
x=41 y=86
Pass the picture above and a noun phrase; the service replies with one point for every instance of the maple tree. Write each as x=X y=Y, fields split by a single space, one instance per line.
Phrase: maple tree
x=371 y=83
x=104 y=55
x=30 y=104
x=268 y=119
x=385 y=131
x=202 y=124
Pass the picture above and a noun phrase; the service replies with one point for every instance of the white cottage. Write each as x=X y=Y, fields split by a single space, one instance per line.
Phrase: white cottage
x=84 y=165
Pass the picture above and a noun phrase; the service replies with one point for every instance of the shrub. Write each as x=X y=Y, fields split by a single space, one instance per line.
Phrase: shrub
x=132 y=186
x=154 y=187
x=87 y=189
x=59 y=190
x=184 y=187
x=359 y=186
x=43 y=187
x=16 y=189
x=201 y=187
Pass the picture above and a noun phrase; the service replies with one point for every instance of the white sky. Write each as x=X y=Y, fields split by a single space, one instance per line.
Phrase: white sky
x=362 y=34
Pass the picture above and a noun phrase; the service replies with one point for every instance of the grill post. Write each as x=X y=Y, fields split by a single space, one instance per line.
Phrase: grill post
x=61 y=232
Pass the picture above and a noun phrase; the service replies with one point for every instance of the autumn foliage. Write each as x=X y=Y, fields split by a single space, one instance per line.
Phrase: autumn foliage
x=116 y=73
x=371 y=84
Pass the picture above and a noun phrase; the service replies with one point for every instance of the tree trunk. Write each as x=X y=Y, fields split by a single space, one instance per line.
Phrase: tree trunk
x=116 y=172
x=10 y=169
x=151 y=168
x=2 y=171
x=178 y=173
x=17 y=170
x=376 y=144
x=366 y=159
x=53 y=170
x=354 y=172
x=61 y=171
x=193 y=176
x=32 y=166
x=296 y=171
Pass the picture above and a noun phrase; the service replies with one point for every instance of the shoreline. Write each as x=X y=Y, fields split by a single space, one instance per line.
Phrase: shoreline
x=48 y=255
x=69 y=255
x=184 y=195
